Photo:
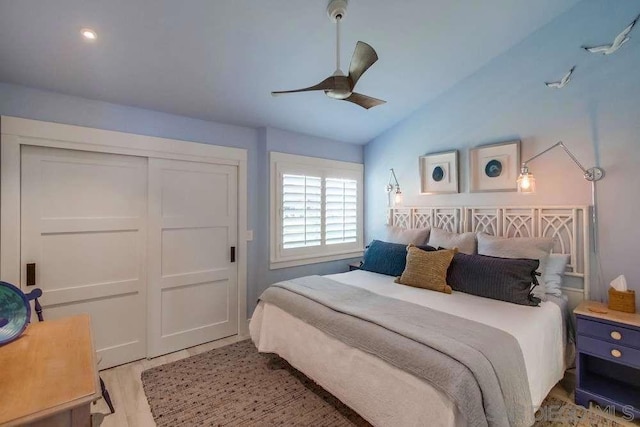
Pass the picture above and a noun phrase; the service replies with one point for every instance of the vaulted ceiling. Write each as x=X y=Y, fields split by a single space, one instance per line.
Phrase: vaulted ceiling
x=218 y=60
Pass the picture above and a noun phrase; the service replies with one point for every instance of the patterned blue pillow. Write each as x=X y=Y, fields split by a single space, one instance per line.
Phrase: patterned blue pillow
x=387 y=258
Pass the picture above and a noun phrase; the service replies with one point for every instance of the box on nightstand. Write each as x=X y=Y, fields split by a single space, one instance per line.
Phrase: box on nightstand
x=622 y=301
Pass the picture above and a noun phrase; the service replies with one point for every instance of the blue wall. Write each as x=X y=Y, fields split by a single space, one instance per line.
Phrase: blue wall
x=36 y=104
x=270 y=139
x=597 y=115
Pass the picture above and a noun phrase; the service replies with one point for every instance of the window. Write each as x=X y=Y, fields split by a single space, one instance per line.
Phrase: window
x=316 y=210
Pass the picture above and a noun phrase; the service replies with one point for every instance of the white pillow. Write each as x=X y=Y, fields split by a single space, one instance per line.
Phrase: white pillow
x=465 y=242
x=404 y=236
x=554 y=272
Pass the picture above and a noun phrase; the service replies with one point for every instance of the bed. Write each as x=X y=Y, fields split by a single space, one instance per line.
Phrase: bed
x=387 y=395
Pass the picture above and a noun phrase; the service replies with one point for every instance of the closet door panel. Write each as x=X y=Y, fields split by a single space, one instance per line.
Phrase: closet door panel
x=193 y=281
x=83 y=224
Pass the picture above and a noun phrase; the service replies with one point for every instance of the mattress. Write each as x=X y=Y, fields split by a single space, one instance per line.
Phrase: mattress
x=382 y=393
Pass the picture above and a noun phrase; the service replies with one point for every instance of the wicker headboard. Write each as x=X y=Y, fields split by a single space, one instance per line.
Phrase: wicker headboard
x=567 y=225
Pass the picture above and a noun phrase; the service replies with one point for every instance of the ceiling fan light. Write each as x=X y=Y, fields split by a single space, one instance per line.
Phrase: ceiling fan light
x=338 y=93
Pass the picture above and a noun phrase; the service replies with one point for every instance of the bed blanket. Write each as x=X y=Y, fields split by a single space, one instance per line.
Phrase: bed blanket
x=480 y=368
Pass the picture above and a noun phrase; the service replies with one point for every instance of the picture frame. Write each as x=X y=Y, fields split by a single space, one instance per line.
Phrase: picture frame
x=494 y=167
x=439 y=173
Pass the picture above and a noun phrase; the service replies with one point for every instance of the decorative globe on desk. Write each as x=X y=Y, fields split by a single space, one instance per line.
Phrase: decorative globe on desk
x=15 y=312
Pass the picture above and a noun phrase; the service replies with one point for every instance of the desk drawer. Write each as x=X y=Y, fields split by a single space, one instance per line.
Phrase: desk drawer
x=610 y=333
x=609 y=351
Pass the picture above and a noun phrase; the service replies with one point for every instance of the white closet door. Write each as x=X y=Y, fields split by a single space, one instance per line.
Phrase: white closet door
x=193 y=286
x=83 y=223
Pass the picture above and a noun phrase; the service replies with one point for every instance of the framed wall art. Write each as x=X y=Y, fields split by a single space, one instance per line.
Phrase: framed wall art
x=439 y=173
x=494 y=167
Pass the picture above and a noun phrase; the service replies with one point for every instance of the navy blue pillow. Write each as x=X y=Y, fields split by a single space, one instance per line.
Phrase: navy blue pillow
x=503 y=279
x=387 y=258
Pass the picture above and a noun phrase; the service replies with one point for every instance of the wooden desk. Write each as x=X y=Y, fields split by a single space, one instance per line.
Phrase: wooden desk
x=49 y=375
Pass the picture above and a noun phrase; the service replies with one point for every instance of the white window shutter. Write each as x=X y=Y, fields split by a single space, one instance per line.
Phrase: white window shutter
x=316 y=210
x=341 y=210
x=301 y=211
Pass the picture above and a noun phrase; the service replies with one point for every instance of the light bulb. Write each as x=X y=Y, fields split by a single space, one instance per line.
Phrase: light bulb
x=89 y=34
x=526 y=183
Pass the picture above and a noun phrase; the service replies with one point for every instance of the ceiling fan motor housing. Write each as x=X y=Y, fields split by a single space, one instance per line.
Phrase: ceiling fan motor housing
x=337 y=9
x=342 y=88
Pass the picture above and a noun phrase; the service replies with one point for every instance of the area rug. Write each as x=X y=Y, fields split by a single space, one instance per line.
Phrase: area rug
x=235 y=385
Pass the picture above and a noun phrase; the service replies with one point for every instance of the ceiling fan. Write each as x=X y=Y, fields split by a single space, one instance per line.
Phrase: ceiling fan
x=338 y=85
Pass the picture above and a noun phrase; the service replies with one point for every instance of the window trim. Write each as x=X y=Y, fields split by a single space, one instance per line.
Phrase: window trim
x=310 y=166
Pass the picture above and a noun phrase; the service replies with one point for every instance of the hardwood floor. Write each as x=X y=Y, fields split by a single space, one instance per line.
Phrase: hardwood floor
x=132 y=409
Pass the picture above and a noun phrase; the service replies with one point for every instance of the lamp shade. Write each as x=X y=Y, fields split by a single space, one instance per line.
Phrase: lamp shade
x=397 y=200
x=526 y=183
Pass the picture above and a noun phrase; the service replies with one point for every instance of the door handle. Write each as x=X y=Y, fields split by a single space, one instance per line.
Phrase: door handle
x=31 y=274
x=233 y=254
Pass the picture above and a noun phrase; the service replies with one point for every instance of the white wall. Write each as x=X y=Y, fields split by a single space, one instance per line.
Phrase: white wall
x=270 y=139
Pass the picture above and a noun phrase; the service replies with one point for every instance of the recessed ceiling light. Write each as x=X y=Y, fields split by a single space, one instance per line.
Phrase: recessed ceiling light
x=89 y=34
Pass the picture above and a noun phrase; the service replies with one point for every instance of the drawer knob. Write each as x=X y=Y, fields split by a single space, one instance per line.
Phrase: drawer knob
x=616 y=353
x=616 y=335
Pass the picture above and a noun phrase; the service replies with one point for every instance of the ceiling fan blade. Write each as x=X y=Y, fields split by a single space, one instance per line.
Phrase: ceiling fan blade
x=327 y=84
x=363 y=57
x=364 y=101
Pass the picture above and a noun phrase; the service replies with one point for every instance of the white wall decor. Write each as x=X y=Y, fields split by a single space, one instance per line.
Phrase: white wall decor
x=563 y=81
x=620 y=40
x=439 y=173
x=494 y=167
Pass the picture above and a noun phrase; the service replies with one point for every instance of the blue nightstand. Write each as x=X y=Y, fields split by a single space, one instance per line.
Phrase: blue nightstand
x=608 y=358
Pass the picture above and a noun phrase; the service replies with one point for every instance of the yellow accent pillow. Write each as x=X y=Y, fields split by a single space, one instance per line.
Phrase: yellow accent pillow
x=427 y=269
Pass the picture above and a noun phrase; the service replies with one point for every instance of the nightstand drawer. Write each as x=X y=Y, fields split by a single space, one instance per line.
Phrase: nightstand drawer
x=611 y=333
x=609 y=351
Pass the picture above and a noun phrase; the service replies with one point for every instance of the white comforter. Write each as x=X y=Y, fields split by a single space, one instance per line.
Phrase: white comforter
x=383 y=394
